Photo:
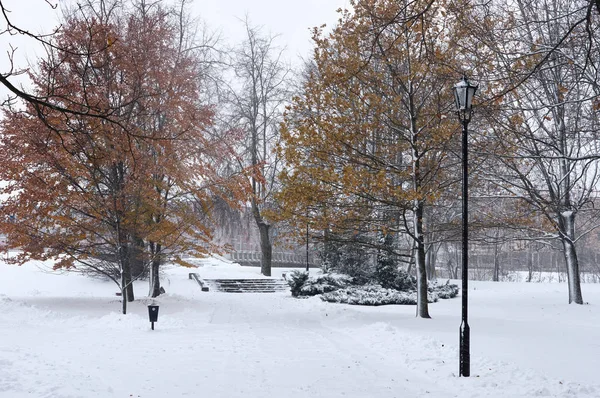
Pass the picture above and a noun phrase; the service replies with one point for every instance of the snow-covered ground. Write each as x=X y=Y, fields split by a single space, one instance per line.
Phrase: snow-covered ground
x=61 y=335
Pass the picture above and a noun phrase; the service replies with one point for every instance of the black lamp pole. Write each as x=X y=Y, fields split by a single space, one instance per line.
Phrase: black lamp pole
x=307 y=229
x=307 y=267
x=465 y=330
x=463 y=94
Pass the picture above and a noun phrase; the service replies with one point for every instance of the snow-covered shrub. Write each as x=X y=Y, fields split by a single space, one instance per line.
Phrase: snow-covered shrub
x=296 y=280
x=445 y=291
x=302 y=284
x=341 y=288
x=373 y=295
x=325 y=283
x=312 y=289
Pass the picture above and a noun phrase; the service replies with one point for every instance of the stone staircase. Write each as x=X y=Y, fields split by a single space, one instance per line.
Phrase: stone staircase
x=247 y=285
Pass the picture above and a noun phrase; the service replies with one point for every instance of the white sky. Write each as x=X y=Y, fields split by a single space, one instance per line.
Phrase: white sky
x=291 y=20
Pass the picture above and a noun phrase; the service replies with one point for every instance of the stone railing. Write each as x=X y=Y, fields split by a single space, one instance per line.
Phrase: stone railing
x=279 y=259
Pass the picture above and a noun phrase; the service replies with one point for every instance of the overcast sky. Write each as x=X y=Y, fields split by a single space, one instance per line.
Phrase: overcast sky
x=292 y=20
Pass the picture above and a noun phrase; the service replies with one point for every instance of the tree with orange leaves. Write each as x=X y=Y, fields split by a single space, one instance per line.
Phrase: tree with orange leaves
x=98 y=194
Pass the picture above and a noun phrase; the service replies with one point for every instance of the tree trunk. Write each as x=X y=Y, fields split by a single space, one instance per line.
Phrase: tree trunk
x=128 y=281
x=422 y=305
x=496 y=275
x=154 y=269
x=123 y=295
x=418 y=210
x=118 y=173
x=529 y=264
x=567 y=226
x=430 y=260
x=266 y=249
x=138 y=269
x=126 y=285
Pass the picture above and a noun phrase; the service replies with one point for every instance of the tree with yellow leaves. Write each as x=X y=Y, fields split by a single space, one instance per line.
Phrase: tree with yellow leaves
x=366 y=141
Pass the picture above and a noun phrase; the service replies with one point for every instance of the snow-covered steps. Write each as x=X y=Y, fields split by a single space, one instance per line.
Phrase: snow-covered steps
x=248 y=285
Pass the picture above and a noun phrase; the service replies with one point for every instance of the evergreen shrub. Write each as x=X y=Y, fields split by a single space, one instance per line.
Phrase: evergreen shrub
x=296 y=279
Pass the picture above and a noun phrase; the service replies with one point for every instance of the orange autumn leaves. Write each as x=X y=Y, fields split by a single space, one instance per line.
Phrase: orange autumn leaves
x=82 y=188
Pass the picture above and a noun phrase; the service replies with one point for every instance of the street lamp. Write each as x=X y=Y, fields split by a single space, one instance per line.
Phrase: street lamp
x=307 y=226
x=464 y=92
x=307 y=266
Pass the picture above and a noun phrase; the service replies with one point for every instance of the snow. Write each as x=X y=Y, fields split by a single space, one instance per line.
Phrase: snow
x=63 y=336
x=567 y=214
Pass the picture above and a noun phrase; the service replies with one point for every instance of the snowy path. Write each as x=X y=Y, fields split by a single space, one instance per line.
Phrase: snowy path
x=243 y=346
x=65 y=340
x=296 y=353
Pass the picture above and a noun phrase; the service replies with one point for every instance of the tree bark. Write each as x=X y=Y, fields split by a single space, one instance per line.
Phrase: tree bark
x=124 y=263
x=496 y=275
x=266 y=249
x=127 y=276
x=422 y=305
x=418 y=212
x=126 y=285
x=118 y=173
x=123 y=295
x=138 y=269
x=155 y=249
x=430 y=260
x=529 y=265
x=567 y=232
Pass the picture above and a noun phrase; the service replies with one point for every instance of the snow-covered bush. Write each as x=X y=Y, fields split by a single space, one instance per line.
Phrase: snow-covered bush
x=373 y=295
x=325 y=283
x=303 y=285
x=296 y=280
x=445 y=291
x=314 y=288
x=396 y=287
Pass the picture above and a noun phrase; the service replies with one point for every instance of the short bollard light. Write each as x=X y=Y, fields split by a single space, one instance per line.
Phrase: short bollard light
x=153 y=314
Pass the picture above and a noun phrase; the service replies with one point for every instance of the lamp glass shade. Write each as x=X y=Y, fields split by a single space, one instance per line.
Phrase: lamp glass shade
x=464 y=92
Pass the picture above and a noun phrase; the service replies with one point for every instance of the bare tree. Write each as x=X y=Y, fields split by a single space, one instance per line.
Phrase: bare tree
x=547 y=128
x=257 y=97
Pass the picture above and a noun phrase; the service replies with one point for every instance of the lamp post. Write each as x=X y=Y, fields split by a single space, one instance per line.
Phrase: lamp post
x=307 y=265
x=464 y=92
x=307 y=237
